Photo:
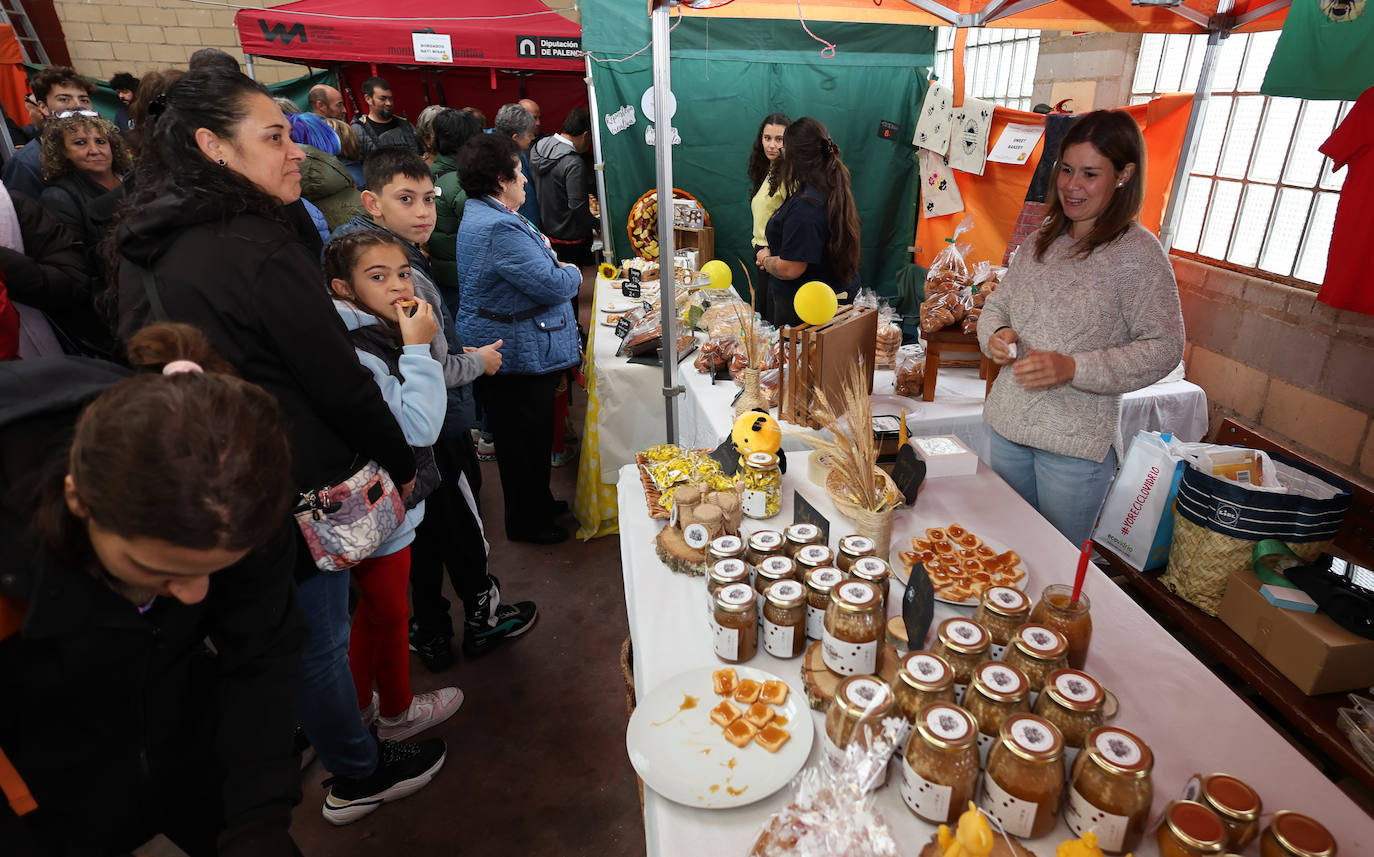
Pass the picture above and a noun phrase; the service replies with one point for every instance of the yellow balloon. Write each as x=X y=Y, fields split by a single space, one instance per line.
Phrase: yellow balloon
x=719 y=272
x=815 y=302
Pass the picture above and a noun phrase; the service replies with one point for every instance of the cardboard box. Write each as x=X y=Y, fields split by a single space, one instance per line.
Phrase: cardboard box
x=1314 y=652
x=945 y=455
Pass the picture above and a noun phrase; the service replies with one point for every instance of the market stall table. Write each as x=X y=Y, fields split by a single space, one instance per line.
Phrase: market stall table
x=1190 y=719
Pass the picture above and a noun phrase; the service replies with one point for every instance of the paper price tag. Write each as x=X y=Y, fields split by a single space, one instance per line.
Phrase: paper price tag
x=632 y=287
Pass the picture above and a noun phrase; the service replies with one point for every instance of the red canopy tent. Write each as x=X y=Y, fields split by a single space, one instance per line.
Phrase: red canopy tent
x=499 y=50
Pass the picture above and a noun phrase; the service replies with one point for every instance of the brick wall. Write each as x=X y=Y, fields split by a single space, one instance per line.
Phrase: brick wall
x=1272 y=357
x=108 y=36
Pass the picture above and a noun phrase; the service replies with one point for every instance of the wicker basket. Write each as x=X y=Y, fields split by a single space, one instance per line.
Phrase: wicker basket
x=886 y=487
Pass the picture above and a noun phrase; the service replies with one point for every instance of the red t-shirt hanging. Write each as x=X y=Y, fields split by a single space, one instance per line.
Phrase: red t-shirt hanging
x=1349 y=283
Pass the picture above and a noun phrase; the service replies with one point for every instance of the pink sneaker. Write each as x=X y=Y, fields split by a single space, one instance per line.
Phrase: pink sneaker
x=426 y=709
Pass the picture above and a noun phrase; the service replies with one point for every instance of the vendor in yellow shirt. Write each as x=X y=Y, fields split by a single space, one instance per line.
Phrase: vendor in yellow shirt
x=765 y=191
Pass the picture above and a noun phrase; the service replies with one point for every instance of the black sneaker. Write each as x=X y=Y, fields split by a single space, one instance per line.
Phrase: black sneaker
x=481 y=635
x=402 y=770
x=436 y=652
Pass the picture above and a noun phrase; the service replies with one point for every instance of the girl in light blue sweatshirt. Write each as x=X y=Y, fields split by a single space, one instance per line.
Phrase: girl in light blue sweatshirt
x=369 y=274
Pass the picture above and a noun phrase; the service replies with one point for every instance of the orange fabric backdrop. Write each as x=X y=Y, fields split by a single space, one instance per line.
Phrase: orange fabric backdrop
x=14 y=84
x=996 y=197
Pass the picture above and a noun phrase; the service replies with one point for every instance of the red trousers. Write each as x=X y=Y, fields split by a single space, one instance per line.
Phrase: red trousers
x=379 y=647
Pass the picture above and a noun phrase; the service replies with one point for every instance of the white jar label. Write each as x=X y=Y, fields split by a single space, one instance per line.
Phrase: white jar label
x=1119 y=748
x=947 y=722
x=754 y=503
x=870 y=565
x=766 y=540
x=814 y=554
x=1039 y=638
x=1032 y=734
x=778 y=639
x=856 y=593
x=1005 y=597
x=925 y=668
x=848 y=659
x=996 y=651
x=727 y=544
x=964 y=633
x=736 y=593
x=1000 y=679
x=696 y=536
x=867 y=693
x=815 y=622
x=858 y=544
x=726 y=642
x=786 y=590
x=1081 y=816
x=827 y=577
x=777 y=565
x=1075 y=687
x=1016 y=816
x=959 y=690
x=928 y=800
x=731 y=569
x=804 y=531
x=985 y=743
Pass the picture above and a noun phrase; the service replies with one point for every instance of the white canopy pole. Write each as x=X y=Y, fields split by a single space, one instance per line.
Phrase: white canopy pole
x=1169 y=227
x=599 y=167
x=663 y=145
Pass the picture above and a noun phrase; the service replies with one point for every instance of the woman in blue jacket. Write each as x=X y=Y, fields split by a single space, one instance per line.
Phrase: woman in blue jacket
x=514 y=288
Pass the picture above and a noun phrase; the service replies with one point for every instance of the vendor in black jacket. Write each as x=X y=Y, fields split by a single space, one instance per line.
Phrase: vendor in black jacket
x=204 y=241
x=134 y=532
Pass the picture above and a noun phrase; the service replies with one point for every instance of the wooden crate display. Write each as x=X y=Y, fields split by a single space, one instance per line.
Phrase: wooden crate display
x=818 y=357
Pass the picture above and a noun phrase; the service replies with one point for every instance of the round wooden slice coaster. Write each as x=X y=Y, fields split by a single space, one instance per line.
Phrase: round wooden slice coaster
x=674 y=552
x=821 y=683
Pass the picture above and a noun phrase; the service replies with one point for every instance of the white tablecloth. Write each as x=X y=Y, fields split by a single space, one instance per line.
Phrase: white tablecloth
x=1190 y=719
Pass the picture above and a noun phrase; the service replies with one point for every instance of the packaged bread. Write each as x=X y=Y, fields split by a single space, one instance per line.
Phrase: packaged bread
x=911 y=370
x=970 y=324
x=950 y=265
x=889 y=337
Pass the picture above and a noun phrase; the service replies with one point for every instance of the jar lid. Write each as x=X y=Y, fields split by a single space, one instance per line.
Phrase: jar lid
x=855 y=596
x=765 y=540
x=761 y=460
x=729 y=571
x=964 y=636
x=735 y=598
x=1005 y=601
x=1302 y=835
x=815 y=556
x=926 y=672
x=1195 y=826
x=1117 y=751
x=1074 y=690
x=857 y=546
x=785 y=593
x=1230 y=797
x=1000 y=682
x=947 y=726
x=871 y=568
x=1040 y=642
x=727 y=546
x=802 y=533
x=1033 y=738
x=776 y=567
x=864 y=696
x=824 y=579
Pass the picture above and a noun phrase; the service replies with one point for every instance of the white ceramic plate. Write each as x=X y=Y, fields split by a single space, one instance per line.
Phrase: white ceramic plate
x=903 y=571
x=621 y=306
x=682 y=755
x=606 y=320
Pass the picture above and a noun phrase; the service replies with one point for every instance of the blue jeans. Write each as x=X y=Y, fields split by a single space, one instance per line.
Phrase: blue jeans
x=1067 y=491
x=328 y=703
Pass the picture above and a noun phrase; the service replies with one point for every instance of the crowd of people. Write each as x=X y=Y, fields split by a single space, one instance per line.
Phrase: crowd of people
x=222 y=309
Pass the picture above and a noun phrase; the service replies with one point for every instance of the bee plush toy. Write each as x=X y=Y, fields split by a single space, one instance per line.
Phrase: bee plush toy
x=756 y=431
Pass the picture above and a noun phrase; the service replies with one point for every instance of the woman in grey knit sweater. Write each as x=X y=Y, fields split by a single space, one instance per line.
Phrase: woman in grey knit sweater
x=1088 y=311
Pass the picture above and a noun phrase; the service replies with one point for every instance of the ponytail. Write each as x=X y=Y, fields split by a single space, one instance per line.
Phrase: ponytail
x=810 y=157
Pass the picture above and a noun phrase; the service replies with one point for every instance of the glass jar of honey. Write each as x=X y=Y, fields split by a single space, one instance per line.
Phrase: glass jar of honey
x=1037 y=651
x=1110 y=790
x=725 y=547
x=722 y=574
x=1057 y=609
x=814 y=556
x=1025 y=776
x=797 y=536
x=763 y=544
x=856 y=714
x=735 y=623
x=1190 y=829
x=923 y=679
x=819 y=582
x=1074 y=702
x=1002 y=610
x=762 y=497
x=876 y=571
x=784 y=619
x=770 y=571
x=852 y=548
x=1233 y=801
x=940 y=767
x=963 y=645
x=996 y=693
x=853 y=629
x=1292 y=834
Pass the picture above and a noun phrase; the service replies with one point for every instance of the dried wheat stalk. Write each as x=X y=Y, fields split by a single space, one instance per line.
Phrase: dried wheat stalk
x=853 y=452
x=748 y=332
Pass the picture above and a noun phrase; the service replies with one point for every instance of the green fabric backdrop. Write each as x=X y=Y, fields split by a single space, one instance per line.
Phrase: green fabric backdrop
x=727 y=76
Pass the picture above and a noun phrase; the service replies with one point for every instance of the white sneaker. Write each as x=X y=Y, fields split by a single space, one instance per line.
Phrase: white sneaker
x=369 y=714
x=426 y=710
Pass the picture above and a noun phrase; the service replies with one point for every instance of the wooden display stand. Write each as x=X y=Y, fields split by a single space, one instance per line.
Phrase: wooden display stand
x=819 y=357
x=702 y=240
x=951 y=339
x=820 y=683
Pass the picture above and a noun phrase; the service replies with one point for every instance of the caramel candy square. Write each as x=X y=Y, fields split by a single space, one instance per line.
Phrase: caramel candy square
x=774 y=692
x=724 y=681
x=748 y=691
x=725 y=713
x=772 y=737
x=740 y=733
x=759 y=714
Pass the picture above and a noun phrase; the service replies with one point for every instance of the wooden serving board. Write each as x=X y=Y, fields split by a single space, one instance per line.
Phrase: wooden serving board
x=821 y=683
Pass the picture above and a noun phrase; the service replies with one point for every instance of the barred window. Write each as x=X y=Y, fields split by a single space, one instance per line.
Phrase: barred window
x=999 y=65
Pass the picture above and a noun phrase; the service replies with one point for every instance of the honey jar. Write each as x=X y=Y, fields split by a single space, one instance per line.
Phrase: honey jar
x=923 y=679
x=940 y=767
x=819 y=582
x=1235 y=803
x=735 y=623
x=722 y=574
x=763 y=544
x=853 y=629
x=1001 y=611
x=1025 y=776
x=814 y=556
x=861 y=702
x=1292 y=834
x=784 y=619
x=963 y=645
x=725 y=547
x=762 y=480
x=1074 y=702
x=876 y=571
x=797 y=536
x=996 y=693
x=1037 y=651
x=1110 y=790
x=768 y=572
x=1190 y=829
x=852 y=548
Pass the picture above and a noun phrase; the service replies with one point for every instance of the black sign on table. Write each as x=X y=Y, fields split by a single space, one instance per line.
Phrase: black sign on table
x=631 y=288
x=804 y=513
x=909 y=473
x=622 y=327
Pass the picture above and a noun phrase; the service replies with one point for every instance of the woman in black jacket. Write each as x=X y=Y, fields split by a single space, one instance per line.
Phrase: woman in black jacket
x=84 y=159
x=119 y=720
x=204 y=240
